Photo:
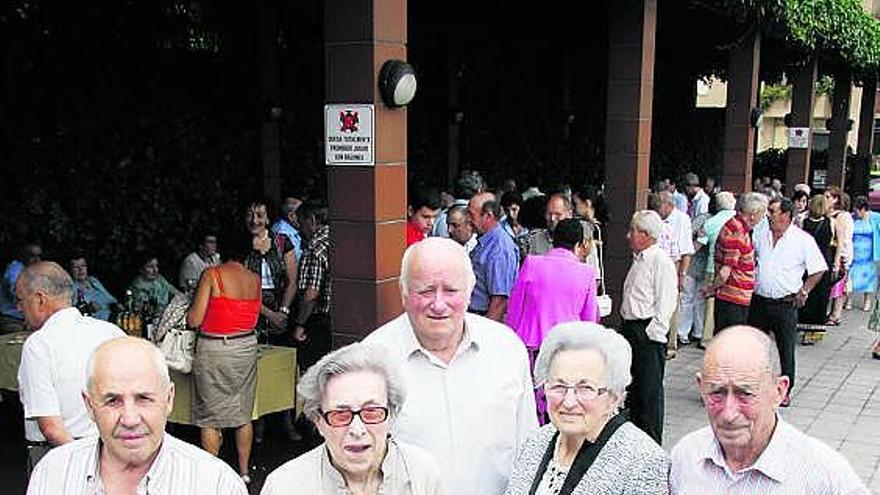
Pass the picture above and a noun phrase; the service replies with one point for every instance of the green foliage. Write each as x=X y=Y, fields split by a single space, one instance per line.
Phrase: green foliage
x=840 y=28
x=771 y=93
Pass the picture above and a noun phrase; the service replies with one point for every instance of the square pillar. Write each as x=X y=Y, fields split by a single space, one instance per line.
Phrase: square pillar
x=367 y=203
x=631 y=30
x=866 y=138
x=742 y=97
x=803 y=97
x=839 y=127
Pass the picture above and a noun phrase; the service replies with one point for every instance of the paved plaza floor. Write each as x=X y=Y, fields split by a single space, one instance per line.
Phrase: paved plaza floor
x=836 y=396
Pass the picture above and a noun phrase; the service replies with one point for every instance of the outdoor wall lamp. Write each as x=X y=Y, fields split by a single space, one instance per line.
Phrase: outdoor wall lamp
x=397 y=83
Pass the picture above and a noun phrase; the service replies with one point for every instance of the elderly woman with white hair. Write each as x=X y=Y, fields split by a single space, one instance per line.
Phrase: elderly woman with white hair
x=587 y=447
x=352 y=395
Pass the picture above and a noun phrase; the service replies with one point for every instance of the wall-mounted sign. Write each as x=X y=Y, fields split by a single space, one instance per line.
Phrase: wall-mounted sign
x=348 y=134
x=799 y=137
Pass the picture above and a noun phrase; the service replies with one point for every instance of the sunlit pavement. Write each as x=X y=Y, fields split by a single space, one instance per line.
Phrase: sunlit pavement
x=836 y=396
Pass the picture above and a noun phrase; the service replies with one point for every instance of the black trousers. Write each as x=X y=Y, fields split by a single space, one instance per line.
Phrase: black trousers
x=318 y=340
x=728 y=314
x=779 y=317
x=644 y=397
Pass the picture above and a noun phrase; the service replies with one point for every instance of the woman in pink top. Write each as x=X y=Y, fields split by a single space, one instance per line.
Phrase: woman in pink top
x=555 y=287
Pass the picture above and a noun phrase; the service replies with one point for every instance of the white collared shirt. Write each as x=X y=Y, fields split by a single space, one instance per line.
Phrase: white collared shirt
x=791 y=464
x=682 y=233
x=471 y=414
x=73 y=469
x=650 y=291
x=52 y=374
x=781 y=267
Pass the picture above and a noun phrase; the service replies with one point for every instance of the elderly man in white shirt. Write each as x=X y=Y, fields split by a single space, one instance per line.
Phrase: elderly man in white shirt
x=129 y=396
x=470 y=399
x=650 y=294
x=53 y=360
x=748 y=448
x=783 y=253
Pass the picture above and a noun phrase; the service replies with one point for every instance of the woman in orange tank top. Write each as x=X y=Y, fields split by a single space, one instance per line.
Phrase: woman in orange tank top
x=225 y=309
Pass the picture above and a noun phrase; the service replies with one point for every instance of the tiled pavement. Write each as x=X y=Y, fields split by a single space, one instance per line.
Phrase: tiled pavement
x=836 y=396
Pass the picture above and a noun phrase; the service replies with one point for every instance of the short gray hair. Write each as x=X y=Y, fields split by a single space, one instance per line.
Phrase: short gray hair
x=460 y=254
x=359 y=356
x=155 y=355
x=584 y=335
x=751 y=202
x=48 y=277
x=649 y=222
x=725 y=200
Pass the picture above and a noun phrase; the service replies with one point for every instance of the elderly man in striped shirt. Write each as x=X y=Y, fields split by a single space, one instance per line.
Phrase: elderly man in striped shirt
x=748 y=448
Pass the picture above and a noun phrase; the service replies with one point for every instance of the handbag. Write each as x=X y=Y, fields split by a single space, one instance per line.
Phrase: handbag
x=603 y=299
x=178 y=343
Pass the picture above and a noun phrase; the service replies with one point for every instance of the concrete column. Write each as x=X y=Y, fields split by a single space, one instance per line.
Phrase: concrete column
x=367 y=204
x=631 y=29
x=742 y=97
x=866 y=138
x=839 y=127
x=803 y=97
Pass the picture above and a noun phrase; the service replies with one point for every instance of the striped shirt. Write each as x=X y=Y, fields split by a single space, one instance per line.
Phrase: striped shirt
x=792 y=463
x=314 y=272
x=734 y=249
x=73 y=469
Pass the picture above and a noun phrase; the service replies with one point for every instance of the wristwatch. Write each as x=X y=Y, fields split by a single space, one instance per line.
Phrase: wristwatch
x=284 y=309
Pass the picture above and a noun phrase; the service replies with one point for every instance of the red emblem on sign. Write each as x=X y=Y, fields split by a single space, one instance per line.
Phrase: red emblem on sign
x=349 y=121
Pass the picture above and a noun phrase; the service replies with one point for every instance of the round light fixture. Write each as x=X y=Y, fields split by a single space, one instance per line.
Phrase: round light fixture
x=397 y=83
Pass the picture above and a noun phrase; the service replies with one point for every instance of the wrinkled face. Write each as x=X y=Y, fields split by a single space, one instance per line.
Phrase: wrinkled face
x=150 y=270
x=357 y=448
x=209 y=245
x=478 y=218
x=436 y=296
x=637 y=239
x=584 y=409
x=257 y=219
x=460 y=228
x=129 y=404
x=556 y=211
x=740 y=396
x=79 y=269
x=423 y=219
x=35 y=306
x=779 y=221
x=665 y=209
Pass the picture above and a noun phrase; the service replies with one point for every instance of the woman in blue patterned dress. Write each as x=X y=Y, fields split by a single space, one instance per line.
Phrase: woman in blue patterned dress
x=863 y=273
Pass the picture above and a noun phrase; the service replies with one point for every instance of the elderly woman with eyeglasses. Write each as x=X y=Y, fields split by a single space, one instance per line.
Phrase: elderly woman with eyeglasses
x=587 y=447
x=353 y=395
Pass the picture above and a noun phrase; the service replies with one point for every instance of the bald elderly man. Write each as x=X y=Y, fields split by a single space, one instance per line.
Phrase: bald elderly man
x=747 y=447
x=470 y=399
x=53 y=360
x=129 y=395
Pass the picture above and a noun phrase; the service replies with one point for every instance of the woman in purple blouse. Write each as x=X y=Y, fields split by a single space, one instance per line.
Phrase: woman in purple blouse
x=552 y=288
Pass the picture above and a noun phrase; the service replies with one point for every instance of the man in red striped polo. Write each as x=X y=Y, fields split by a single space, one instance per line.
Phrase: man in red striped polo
x=735 y=262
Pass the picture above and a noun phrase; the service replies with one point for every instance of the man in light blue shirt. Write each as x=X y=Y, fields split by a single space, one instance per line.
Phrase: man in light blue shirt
x=495 y=259
x=288 y=225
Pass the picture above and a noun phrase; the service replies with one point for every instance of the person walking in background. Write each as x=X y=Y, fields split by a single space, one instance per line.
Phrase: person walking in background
x=812 y=317
x=843 y=253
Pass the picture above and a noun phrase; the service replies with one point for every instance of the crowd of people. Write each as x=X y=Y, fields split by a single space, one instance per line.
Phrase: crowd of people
x=499 y=377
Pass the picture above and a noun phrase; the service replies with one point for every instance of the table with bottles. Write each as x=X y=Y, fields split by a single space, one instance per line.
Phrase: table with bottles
x=276 y=378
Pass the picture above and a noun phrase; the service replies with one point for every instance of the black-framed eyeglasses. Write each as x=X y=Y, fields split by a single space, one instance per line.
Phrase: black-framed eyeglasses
x=370 y=415
x=582 y=392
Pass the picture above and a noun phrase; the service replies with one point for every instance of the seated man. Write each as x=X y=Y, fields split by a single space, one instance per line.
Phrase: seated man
x=748 y=448
x=194 y=264
x=129 y=396
x=11 y=318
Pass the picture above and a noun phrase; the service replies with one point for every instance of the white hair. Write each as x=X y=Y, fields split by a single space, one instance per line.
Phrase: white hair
x=649 y=222
x=725 y=200
x=156 y=357
x=751 y=202
x=583 y=335
x=460 y=255
x=355 y=357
